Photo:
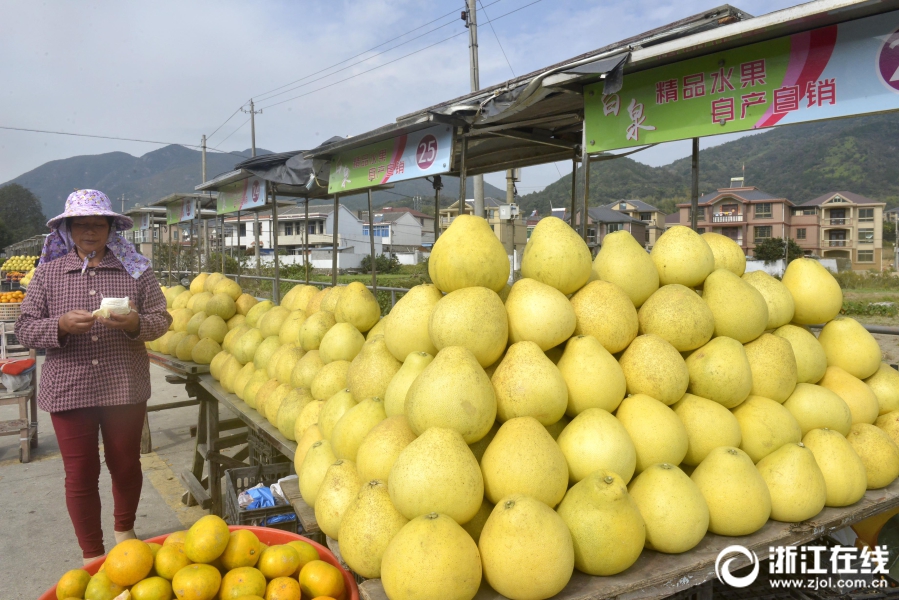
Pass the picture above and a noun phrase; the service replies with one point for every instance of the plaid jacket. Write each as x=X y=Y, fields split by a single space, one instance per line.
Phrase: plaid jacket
x=103 y=367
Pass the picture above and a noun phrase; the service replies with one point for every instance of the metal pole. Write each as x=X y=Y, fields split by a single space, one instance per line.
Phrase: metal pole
x=694 y=194
x=203 y=157
x=478 y=180
x=276 y=291
x=334 y=241
x=573 y=187
x=371 y=242
x=256 y=242
x=222 y=244
x=585 y=162
x=438 y=184
x=237 y=275
x=306 y=253
x=153 y=233
x=169 y=231
x=462 y=176
x=253 y=127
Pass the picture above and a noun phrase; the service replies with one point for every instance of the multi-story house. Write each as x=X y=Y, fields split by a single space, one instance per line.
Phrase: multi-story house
x=601 y=221
x=835 y=225
x=649 y=214
x=398 y=231
x=504 y=229
x=426 y=221
x=891 y=215
x=841 y=225
x=746 y=215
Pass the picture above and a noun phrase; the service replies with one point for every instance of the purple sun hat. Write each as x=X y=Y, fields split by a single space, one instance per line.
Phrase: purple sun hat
x=90 y=203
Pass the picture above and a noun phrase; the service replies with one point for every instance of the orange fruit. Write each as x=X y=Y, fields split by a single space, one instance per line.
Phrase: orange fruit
x=242 y=582
x=176 y=537
x=319 y=578
x=129 y=562
x=72 y=584
x=282 y=588
x=197 y=582
x=101 y=586
x=307 y=553
x=278 y=561
x=152 y=588
x=154 y=548
x=169 y=560
x=242 y=550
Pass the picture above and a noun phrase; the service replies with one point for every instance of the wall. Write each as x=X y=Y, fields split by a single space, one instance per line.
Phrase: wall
x=777 y=267
x=405 y=231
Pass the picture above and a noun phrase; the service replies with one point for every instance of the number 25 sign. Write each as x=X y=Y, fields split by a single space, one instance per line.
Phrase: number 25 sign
x=411 y=156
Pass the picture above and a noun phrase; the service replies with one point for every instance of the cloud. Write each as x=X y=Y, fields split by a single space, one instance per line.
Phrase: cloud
x=172 y=71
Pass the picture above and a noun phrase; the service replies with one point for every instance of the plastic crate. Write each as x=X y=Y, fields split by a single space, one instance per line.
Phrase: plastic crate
x=238 y=480
x=263 y=453
x=10 y=311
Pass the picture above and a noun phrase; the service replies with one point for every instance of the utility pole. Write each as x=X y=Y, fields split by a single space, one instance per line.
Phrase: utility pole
x=203 y=157
x=253 y=112
x=123 y=203
x=471 y=22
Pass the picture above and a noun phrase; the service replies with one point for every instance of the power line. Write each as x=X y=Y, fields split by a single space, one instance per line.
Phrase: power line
x=259 y=96
x=226 y=120
x=110 y=137
x=503 y=50
x=239 y=127
x=397 y=59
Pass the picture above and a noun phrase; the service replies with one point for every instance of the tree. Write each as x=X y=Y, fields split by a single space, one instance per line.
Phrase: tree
x=772 y=249
x=20 y=212
x=383 y=264
x=889 y=231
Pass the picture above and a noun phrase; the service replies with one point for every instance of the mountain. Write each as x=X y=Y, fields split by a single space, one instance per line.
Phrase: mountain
x=798 y=162
x=173 y=169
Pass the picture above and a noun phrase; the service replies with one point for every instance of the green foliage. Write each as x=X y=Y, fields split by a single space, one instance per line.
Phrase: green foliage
x=383 y=264
x=21 y=216
x=889 y=231
x=772 y=249
x=851 y=280
x=868 y=309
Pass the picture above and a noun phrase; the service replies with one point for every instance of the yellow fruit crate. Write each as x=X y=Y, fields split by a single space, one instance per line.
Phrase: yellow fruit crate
x=10 y=311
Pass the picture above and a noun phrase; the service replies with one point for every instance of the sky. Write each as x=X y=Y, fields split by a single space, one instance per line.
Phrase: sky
x=171 y=71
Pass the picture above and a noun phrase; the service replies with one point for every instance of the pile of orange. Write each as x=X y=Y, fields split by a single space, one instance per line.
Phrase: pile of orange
x=12 y=297
x=201 y=564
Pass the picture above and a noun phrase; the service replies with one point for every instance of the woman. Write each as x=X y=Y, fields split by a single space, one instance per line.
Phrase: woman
x=97 y=375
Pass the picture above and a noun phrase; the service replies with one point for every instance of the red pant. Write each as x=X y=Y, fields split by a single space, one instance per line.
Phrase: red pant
x=76 y=432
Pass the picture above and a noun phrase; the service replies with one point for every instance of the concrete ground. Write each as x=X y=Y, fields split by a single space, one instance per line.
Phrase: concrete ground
x=37 y=541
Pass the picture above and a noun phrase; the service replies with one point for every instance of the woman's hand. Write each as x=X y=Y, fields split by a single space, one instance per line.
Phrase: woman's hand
x=129 y=323
x=75 y=322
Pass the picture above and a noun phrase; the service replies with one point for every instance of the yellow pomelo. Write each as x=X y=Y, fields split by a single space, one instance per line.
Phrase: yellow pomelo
x=683 y=257
x=737 y=496
x=720 y=371
x=245 y=346
x=307 y=418
x=526 y=549
x=672 y=507
x=776 y=295
x=304 y=442
x=258 y=379
x=728 y=255
x=816 y=294
x=795 y=481
x=312 y=471
x=339 y=488
x=606 y=527
x=221 y=305
x=185 y=348
x=381 y=447
x=211 y=281
x=527 y=384
x=358 y=307
x=198 y=302
x=539 y=313
x=740 y=311
x=557 y=256
x=654 y=367
x=596 y=440
x=622 y=260
x=709 y=425
x=436 y=472
x=330 y=379
x=890 y=424
x=849 y=346
x=604 y=311
x=354 y=425
x=765 y=426
x=811 y=361
x=314 y=329
x=330 y=300
x=236 y=321
x=368 y=525
x=243 y=378
x=196 y=286
x=431 y=557
x=270 y=323
x=214 y=327
x=679 y=316
x=305 y=369
x=524 y=459
x=342 y=342
x=815 y=407
x=855 y=393
x=193 y=326
x=290 y=329
x=180 y=318
x=468 y=254
x=592 y=375
x=229 y=287
x=257 y=310
x=658 y=434
x=844 y=472
x=878 y=452
x=244 y=303
x=371 y=370
x=885 y=385
x=406 y=329
x=291 y=408
x=315 y=302
x=773 y=366
x=263 y=351
x=395 y=395
x=333 y=409
x=452 y=392
x=473 y=318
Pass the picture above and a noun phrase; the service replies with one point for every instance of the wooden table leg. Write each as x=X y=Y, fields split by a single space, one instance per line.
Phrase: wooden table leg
x=32 y=405
x=199 y=461
x=24 y=441
x=215 y=473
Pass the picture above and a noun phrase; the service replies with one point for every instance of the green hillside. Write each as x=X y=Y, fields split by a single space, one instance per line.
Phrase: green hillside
x=798 y=162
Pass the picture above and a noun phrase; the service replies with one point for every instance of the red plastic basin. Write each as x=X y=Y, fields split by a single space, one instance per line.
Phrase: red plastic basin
x=266 y=535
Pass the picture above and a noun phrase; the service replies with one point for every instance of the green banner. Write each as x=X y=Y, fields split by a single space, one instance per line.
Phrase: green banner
x=181 y=210
x=242 y=195
x=838 y=71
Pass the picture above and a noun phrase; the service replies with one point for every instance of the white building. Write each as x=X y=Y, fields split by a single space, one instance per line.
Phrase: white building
x=396 y=231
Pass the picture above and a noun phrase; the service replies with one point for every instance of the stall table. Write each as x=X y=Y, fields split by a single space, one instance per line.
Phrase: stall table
x=305 y=513
x=656 y=575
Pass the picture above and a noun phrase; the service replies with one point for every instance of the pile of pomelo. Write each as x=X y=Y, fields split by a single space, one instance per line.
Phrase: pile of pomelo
x=589 y=411
x=204 y=562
